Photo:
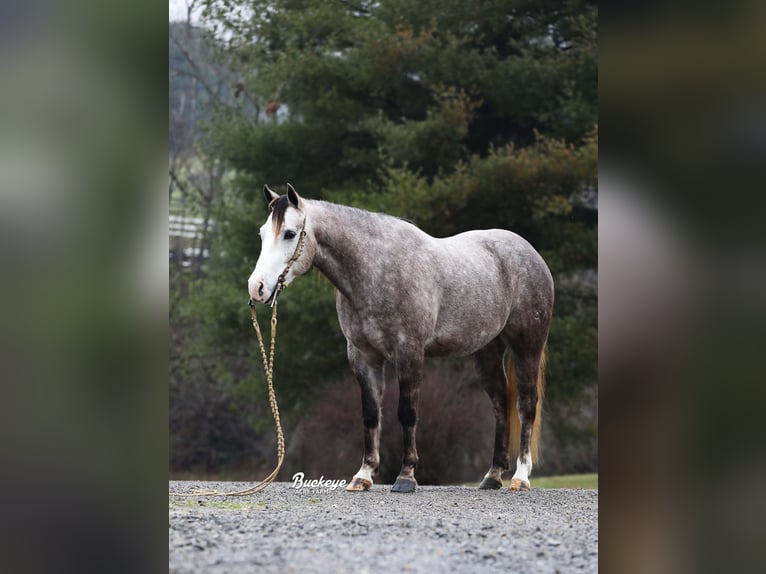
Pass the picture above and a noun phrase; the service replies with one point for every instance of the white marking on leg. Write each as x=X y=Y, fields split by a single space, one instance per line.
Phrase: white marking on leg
x=523 y=468
x=365 y=472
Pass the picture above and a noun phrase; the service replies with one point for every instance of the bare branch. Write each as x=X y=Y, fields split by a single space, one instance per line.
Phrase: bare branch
x=214 y=94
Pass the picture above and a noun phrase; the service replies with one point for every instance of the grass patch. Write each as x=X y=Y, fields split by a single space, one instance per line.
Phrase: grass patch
x=203 y=502
x=589 y=481
x=566 y=481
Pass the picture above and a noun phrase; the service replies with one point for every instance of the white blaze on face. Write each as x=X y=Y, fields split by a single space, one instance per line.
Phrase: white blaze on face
x=275 y=253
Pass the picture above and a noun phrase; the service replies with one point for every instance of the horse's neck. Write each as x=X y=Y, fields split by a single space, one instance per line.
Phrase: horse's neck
x=345 y=246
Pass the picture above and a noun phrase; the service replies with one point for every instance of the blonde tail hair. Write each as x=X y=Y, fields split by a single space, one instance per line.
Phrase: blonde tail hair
x=514 y=424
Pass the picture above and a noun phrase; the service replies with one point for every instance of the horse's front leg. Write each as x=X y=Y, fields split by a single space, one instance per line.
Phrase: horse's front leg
x=410 y=373
x=371 y=380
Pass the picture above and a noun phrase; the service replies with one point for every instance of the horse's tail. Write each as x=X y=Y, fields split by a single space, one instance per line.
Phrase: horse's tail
x=514 y=424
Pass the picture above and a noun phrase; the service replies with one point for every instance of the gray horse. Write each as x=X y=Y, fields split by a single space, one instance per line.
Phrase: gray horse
x=403 y=295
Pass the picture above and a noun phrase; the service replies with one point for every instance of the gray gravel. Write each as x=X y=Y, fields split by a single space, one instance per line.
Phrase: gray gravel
x=436 y=529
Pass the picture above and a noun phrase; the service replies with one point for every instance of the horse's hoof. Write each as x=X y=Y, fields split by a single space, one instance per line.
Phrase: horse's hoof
x=404 y=485
x=359 y=484
x=518 y=484
x=490 y=484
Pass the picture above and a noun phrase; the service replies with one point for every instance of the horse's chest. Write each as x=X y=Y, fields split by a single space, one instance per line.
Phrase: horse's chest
x=379 y=331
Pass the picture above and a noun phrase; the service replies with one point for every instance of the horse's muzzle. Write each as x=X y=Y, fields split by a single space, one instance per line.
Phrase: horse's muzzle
x=270 y=301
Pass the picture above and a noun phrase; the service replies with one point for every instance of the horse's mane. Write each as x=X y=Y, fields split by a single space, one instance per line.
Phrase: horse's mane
x=280 y=205
x=366 y=213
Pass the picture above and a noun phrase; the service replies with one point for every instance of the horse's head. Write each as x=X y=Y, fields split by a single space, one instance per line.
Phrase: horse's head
x=281 y=249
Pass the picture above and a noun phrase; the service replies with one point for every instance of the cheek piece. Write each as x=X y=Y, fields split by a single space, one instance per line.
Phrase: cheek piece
x=281 y=280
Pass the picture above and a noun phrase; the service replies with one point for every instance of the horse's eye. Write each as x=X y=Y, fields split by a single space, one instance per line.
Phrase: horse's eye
x=289 y=234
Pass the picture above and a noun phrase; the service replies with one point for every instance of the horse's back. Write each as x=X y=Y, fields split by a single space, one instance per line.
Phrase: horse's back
x=498 y=251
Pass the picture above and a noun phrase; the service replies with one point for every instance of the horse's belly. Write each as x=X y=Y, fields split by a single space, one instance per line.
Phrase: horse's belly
x=462 y=337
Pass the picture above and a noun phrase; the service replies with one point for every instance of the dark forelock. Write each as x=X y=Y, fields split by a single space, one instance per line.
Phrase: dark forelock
x=279 y=208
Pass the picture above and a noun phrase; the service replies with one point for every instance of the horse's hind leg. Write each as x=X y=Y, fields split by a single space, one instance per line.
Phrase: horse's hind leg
x=371 y=381
x=528 y=363
x=489 y=362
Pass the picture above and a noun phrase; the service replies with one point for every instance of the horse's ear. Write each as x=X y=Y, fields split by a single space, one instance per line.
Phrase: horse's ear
x=269 y=195
x=293 y=197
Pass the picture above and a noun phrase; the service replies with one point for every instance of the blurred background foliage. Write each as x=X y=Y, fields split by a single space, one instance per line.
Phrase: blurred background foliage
x=456 y=115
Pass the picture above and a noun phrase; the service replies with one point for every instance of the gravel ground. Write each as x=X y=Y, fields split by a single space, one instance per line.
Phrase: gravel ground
x=436 y=529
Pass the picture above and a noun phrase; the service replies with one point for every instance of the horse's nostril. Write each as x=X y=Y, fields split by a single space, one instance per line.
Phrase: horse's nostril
x=260 y=288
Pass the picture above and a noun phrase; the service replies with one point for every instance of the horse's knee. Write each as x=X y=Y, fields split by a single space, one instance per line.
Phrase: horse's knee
x=407 y=412
x=372 y=391
x=371 y=416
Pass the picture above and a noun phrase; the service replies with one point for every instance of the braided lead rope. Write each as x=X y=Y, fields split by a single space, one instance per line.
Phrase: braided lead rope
x=268 y=367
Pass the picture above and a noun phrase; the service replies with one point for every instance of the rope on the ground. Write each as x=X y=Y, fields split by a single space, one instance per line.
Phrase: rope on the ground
x=268 y=368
